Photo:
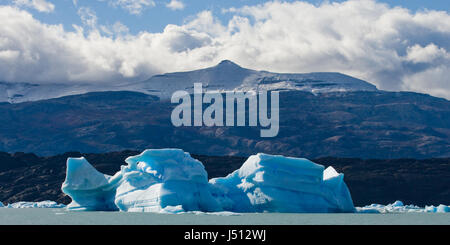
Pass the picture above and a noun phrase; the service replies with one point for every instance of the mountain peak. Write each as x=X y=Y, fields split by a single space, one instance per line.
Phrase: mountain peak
x=228 y=63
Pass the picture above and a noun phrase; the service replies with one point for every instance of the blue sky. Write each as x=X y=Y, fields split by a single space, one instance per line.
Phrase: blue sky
x=155 y=18
x=396 y=45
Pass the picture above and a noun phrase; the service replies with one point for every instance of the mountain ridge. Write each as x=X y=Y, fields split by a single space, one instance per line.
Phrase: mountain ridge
x=229 y=76
x=364 y=124
x=225 y=76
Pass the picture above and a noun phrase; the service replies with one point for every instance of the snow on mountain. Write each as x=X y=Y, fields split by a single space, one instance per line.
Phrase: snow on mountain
x=22 y=92
x=226 y=76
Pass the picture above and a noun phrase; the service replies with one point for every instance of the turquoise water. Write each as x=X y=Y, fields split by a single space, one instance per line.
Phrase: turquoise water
x=62 y=217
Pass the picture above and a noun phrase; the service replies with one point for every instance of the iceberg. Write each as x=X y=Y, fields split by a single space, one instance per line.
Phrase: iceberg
x=43 y=204
x=267 y=183
x=171 y=181
x=159 y=179
x=154 y=181
x=399 y=207
x=1 y=205
x=439 y=209
x=89 y=189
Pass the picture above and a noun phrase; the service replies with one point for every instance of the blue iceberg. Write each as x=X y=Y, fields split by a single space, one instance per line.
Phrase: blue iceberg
x=1 y=205
x=171 y=181
x=267 y=183
x=164 y=179
x=89 y=189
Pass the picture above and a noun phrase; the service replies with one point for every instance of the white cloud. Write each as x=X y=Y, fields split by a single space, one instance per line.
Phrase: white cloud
x=428 y=54
x=390 y=47
x=88 y=17
x=39 y=5
x=175 y=5
x=90 y=21
x=120 y=28
x=132 y=6
x=434 y=81
x=116 y=29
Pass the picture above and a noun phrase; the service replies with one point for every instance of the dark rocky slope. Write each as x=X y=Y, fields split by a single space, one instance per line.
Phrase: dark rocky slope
x=353 y=124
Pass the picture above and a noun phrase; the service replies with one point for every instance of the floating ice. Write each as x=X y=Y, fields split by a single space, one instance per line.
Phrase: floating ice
x=1 y=205
x=399 y=207
x=157 y=180
x=171 y=181
x=267 y=183
x=439 y=209
x=172 y=210
x=89 y=189
x=154 y=181
x=43 y=204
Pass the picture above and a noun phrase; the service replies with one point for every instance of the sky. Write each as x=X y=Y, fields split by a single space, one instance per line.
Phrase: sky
x=396 y=45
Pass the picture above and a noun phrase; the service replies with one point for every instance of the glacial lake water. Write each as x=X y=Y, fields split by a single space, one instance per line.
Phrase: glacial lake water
x=36 y=216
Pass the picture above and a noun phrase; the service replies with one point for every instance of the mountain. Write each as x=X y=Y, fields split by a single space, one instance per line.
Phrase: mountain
x=321 y=114
x=226 y=76
x=364 y=124
x=23 y=92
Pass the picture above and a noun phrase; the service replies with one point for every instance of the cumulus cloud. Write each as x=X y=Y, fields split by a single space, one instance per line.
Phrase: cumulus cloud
x=428 y=54
x=39 y=5
x=393 y=48
x=175 y=5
